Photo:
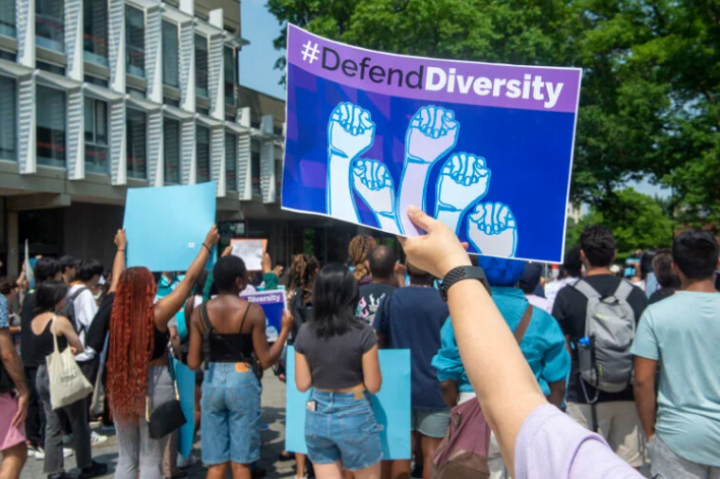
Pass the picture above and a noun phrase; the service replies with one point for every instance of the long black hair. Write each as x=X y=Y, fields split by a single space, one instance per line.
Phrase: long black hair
x=335 y=298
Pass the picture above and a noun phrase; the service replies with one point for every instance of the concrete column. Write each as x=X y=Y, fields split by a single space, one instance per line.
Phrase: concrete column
x=217 y=68
x=13 y=243
x=153 y=58
x=25 y=16
x=74 y=39
x=116 y=48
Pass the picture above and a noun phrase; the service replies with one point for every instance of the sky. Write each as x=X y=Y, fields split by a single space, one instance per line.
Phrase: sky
x=257 y=60
x=257 y=64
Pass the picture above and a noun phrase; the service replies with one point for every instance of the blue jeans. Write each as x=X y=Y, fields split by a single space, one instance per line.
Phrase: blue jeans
x=342 y=428
x=230 y=416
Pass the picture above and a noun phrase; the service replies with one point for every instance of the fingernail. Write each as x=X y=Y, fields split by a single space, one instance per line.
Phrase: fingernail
x=413 y=210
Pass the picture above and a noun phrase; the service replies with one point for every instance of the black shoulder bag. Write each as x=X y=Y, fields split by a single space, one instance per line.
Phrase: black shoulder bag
x=168 y=417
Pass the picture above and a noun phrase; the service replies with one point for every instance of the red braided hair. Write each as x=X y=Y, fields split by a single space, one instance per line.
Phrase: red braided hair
x=131 y=342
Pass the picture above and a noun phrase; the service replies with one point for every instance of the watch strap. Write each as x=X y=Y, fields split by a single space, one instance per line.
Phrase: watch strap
x=459 y=274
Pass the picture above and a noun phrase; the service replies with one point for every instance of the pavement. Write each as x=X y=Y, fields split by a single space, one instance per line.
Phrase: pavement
x=273 y=441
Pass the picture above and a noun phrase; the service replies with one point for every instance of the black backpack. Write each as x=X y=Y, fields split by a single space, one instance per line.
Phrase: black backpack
x=69 y=310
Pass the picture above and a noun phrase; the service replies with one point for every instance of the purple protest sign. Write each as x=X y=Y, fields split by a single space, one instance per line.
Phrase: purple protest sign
x=273 y=304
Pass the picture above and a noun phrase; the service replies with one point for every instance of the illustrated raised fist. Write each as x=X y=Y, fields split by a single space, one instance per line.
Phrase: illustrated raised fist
x=374 y=184
x=351 y=130
x=464 y=179
x=432 y=133
x=492 y=229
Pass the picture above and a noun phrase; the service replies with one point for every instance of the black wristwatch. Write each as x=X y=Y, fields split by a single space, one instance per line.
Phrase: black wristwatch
x=461 y=273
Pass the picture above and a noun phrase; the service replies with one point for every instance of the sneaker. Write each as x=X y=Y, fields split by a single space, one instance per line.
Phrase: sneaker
x=96 y=438
x=39 y=453
x=95 y=470
x=31 y=450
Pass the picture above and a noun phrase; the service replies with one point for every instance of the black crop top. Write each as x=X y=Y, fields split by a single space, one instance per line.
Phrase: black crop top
x=160 y=342
x=225 y=348
x=43 y=344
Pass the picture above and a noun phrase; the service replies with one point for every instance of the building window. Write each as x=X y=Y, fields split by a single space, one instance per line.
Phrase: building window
x=8 y=117
x=171 y=146
x=96 y=136
x=136 y=144
x=170 y=55
x=231 y=161
x=201 y=66
x=49 y=24
x=255 y=167
x=203 y=155
x=51 y=108
x=51 y=67
x=171 y=102
x=230 y=75
x=6 y=55
x=203 y=111
x=7 y=18
x=95 y=31
x=96 y=81
x=135 y=41
x=135 y=93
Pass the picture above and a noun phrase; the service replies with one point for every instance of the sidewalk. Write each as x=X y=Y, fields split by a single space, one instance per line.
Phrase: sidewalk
x=273 y=413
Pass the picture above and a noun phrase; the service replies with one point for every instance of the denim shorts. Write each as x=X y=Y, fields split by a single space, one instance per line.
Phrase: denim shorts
x=431 y=423
x=230 y=416
x=342 y=428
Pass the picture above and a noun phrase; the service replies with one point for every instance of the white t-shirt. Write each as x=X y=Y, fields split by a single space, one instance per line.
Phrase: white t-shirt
x=552 y=289
x=85 y=308
x=538 y=302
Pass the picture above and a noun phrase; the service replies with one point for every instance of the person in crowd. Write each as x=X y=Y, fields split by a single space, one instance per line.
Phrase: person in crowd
x=382 y=267
x=643 y=269
x=681 y=335
x=336 y=354
x=613 y=415
x=68 y=268
x=358 y=252
x=536 y=439
x=51 y=297
x=46 y=269
x=138 y=376
x=10 y=290
x=84 y=307
x=225 y=332
x=411 y=318
x=14 y=398
x=570 y=272
x=528 y=285
x=666 y=277
x=542 y=345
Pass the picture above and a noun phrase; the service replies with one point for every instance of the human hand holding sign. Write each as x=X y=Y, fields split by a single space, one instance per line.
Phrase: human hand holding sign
x=350 y=133
x=464 y=180
x=374 y=184
x=492 y=229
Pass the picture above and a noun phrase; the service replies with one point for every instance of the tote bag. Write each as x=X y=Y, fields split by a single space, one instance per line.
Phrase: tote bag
x=67 y=383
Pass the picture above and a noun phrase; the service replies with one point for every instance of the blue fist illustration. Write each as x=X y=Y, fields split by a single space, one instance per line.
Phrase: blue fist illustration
x=374 y=184
x=464 y=180
x=351 y=130
x=433 y=132
x=492 y=229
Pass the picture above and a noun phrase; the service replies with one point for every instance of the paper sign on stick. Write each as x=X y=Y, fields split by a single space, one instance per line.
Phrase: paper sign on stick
x=273 y=304
x=251 y=251
x=485 y=148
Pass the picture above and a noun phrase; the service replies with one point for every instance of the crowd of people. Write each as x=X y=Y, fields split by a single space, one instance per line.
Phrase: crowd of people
x=596 y=371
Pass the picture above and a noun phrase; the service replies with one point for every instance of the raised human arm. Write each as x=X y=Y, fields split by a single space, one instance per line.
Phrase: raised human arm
x=266 y=354
x=119 y=262
x=371 y=370
x=644 y=388
x=303 y=375
x=65 y=328
x=506 y=387
x=13 y=365
x=168 y=306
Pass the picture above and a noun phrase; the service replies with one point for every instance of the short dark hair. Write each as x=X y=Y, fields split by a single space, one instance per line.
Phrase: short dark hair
x=572 y=262
x=88 y=269
x=49 y=294
x=7 y=284
x=598 y=244
x=227 y=270
x=68 y=262
x=531 y=278
x=662 y=266
x=335 y=298
x=695 y=252
x=382 y=261
x=45 y=269
x=418 y=276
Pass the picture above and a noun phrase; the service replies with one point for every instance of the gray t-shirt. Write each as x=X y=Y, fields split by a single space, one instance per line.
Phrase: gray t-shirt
x=336 y=362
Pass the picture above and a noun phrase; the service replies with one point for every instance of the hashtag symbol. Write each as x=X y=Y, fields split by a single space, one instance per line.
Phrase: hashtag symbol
x=310 y=51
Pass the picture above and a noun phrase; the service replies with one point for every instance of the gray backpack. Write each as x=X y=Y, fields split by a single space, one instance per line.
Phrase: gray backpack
x=604 y=352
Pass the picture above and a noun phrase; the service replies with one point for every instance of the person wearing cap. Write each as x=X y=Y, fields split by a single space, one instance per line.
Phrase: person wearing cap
x=542 y=344
x=529 y=284
x=68 y=268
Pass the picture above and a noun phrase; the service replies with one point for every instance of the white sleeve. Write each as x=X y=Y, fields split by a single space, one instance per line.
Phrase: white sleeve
x=85 y=309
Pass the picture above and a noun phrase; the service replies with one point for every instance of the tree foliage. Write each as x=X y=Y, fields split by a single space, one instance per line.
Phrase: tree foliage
x=650 y=101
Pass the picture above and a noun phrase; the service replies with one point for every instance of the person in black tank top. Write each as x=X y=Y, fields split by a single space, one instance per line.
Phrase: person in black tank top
x=138 y=380
x=51 y=297
x=228 y=333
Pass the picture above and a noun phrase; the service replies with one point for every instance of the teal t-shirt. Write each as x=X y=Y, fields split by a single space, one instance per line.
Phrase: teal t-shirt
x=682 y=332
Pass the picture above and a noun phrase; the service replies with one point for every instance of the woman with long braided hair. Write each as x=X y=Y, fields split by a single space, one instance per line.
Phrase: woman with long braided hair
x=138 y=376
x=359 y=252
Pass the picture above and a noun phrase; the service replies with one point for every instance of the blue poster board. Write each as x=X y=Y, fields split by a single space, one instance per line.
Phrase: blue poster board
x=166 y=226
x=186 y=388
x=273 y=304
x=391 y=405
x=485 y=148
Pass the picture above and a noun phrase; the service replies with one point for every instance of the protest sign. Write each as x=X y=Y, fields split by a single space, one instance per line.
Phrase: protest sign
x=485 y=148
x=166 y=226
x=273 y=303
x=391 y=405
x=251 y=251
x=186 y=390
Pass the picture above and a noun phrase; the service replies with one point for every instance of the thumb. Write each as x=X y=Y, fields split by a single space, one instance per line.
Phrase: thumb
x=420 y=219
